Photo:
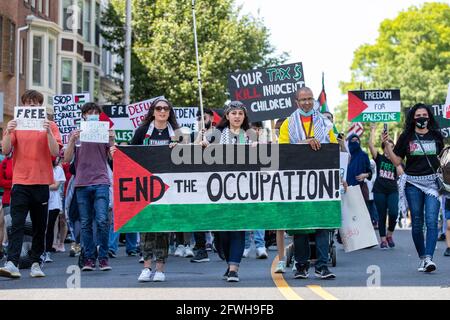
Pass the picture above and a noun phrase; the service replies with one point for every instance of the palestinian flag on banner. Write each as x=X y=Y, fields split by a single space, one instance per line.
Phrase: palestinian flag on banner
x=81 y=98
x=153 y=194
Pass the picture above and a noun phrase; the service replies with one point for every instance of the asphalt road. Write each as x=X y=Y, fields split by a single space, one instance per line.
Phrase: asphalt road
x=364 y=274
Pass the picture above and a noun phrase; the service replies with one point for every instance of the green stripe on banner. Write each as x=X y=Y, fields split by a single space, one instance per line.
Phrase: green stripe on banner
x=236 y=216
x=378 y=117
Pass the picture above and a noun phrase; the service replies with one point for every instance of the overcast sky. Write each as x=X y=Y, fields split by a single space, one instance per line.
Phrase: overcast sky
x=323 y=34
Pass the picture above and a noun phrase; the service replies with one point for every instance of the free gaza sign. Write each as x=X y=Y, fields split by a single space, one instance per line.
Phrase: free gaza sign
x=374 y=106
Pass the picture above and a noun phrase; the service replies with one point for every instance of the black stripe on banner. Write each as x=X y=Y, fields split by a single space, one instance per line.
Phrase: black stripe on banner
x=115 y=111
x=378 y=95
x=158 y=159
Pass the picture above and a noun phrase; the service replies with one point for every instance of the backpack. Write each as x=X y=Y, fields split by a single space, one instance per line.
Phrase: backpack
x=444 y=168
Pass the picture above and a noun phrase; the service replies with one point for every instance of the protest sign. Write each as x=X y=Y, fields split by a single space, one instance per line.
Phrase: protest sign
x=447 y=104
x=30 y=118
x=438 y=113
x=190 y=188
x=122 y=125
x=137 y=111
x=374 y=106
x=94 y=131
x=67 y=110
x=268 y=93
x=186 y=117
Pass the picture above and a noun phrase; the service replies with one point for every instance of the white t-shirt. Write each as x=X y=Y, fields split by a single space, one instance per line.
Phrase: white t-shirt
x=55 y=200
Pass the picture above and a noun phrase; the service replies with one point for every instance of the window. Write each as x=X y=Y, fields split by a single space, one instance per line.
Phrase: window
x=46 y=9
x=80 y=16
x=87 y=21
x=33 y=3
x=79 y=77
x=51 y=62
x=97 y=24
x=40 y=7
x=86 y=80
x=72 y=15
x=96 y=86
x=12 y=46
x=66 y=76
x=37 y=60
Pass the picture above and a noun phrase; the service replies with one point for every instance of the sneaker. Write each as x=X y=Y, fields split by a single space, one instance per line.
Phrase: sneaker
x=89 y=265
x=294 y=266
x=225 y=275
x=36 y=271
x=246 y=253
x=429 y=265
x=301 y=272
x=180 y=251
x=324 y=273
x=47 y=257
x=281 y=267
x=145 y=275
x=188 y=252
x=421 y=267
x=233 y=276
x=390 y=242
x=447 y=252
x=159 y=277
x=200 y=256
x=209 y=247
x=141 y=259
x=441 y=237
x=112 y=254
x=132 y=253
x=383 y=245
x=60 y=248
x=103 y=265
x=261 y=253
x=10 y=271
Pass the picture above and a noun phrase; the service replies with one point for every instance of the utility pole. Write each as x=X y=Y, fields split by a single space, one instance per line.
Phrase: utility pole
x=127 y=58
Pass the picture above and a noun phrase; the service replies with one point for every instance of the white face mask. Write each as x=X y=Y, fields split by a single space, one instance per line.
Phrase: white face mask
x=92 y=117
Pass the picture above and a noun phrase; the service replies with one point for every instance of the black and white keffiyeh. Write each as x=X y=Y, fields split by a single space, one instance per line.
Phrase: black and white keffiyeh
x=321 y=127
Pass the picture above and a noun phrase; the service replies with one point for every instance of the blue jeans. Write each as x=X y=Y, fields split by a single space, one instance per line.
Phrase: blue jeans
x=258 y=236
x=93 y=203
x=386 y=202
x=423 y=206
x=232 y=243
x=130 y=241
x=302 y=250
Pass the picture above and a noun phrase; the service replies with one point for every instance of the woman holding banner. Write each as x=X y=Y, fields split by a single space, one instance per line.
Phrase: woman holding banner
x=421 y=142
x=157 y=129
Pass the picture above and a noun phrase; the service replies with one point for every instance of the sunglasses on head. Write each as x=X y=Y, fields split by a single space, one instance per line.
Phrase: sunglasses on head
x=159 y=108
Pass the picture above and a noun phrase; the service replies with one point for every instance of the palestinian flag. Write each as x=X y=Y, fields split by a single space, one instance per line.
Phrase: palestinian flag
x=81 y=98
x=323 y=97
x=226 y=187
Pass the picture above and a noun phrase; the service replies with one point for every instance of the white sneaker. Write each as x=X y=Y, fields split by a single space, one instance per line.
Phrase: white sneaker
x=159 y=277
x=281 y=267
x=246 y=253
x=141 y=259
x=429 y=265
x=10 y=271
x=47 y=257
x=261 y=253
x=294 y=266
x=180 y=251
x=188 y=253
x=36 y=271
x=421 y=267
x=145 y=275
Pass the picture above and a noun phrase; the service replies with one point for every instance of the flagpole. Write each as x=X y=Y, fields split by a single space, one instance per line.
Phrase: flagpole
x=199 y=77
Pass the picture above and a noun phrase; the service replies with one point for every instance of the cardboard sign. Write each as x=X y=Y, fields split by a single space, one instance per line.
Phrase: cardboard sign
x=67 y=110
x=30 y=118
x=268 y=93
x=190 y=188
x=137 y=111
x=94 y=131
x=187 y=117
x=356 y=230
x=374 y=106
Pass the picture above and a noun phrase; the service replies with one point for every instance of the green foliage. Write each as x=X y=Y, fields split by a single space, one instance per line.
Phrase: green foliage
x=163 y=61
x=412 y=53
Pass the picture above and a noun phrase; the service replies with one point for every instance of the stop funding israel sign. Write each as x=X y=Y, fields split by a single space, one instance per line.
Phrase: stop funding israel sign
x=374 y=106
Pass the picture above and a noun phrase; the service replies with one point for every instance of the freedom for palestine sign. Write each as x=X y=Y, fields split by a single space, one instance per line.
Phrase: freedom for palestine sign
x=374 y=106
x=226 y=187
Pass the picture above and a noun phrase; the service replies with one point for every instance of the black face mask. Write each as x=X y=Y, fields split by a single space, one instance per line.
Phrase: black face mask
x=421 y=122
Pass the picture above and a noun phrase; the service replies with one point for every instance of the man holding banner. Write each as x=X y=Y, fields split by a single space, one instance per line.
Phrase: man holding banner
x=307 y=125
x=32 y=175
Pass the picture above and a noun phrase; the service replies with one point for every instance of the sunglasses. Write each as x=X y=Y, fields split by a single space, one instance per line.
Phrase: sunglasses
x=158 y=108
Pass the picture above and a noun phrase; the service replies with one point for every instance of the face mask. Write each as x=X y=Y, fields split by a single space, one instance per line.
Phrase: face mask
x=306 y=114
x=353 y=146
x=421 y=122
x=92 y=117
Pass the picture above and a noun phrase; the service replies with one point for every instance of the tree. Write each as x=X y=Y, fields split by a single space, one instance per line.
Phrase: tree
x=164 y=54
x=412 y=53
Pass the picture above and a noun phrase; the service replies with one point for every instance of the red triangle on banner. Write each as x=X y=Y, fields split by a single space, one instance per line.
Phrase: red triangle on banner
x=447 y=111
x=128 y=201
x=104 y=117
x=355 y=106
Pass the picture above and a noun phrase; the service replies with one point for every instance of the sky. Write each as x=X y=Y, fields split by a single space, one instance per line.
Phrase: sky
x=323 y=34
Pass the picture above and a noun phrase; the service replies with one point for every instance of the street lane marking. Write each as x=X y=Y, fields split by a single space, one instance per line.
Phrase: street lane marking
x=321 y=292
x=281 y=284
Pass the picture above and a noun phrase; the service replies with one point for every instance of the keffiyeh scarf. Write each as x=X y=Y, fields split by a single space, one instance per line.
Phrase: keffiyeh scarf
x=321 y=128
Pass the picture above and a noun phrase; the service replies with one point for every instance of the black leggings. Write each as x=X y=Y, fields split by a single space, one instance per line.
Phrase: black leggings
x=52 y=216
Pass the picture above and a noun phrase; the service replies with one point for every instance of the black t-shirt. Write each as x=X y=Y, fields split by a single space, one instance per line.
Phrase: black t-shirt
x=386 y=181
x=416 y=162
x=158 y=138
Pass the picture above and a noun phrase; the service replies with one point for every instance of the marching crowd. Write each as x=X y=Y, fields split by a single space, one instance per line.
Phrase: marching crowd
x=51 y=192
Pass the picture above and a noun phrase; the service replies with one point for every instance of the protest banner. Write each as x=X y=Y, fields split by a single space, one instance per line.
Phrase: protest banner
x=67 y=110
x=94 y=131
x=137 y=111
x=374 y=106
x=122 y=125
x=268 y=93
x=190 y=188
x=447 y=104
x=187 y=117
x=356 y=228
x=30 y=118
